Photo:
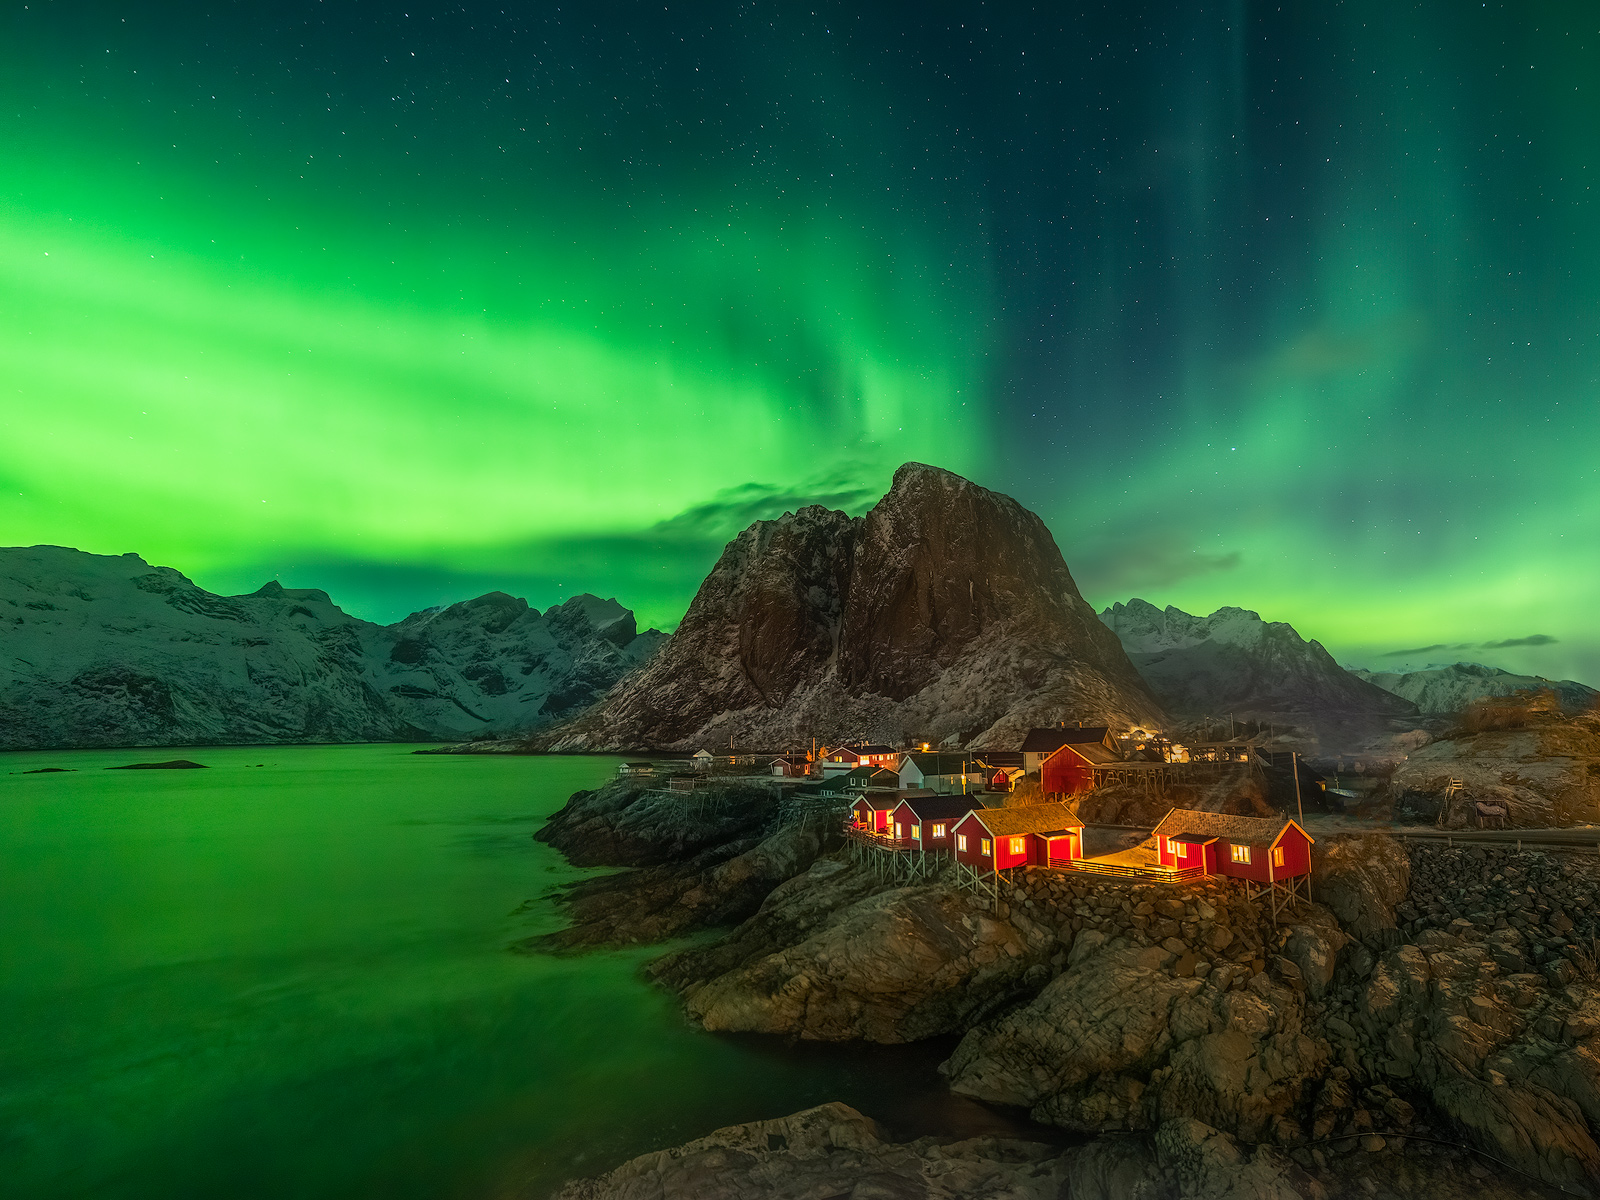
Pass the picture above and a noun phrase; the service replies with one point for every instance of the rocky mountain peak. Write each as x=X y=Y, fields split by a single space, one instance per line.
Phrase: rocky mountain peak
x=1233 y=661
x=945 y=609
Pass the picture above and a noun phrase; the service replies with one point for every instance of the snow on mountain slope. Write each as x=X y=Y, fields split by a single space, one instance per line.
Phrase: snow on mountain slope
x=1451 y=688
x=97 y=650
x=1233 y=661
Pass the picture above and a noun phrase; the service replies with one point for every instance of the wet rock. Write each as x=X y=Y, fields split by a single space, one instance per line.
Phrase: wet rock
x=893 y=966
x=1114 y=1168
x=1208 y=1165
x=835 y=1151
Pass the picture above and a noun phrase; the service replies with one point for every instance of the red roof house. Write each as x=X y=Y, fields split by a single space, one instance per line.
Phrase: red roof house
x=998 y=839
x=1068 y=770
x=930 y=820
x=1260 y=849
x=1040 y=744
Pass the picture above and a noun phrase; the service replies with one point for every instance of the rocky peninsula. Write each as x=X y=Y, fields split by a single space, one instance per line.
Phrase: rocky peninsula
x=1400 y=1036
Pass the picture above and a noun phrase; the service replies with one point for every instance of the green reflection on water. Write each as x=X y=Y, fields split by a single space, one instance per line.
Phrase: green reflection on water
x=291 y=979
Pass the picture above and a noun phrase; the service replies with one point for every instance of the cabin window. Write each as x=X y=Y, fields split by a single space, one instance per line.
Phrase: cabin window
x=916 y=832
x=1277 y=856
x=1172 y=846
x=1019 y=845
x=961 y=843
x=1241 y=854
x=899 y=830
x=938 y=831
x=985 y=847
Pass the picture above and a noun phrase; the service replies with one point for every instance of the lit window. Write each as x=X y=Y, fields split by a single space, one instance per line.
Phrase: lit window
x=1019 y=845
x=938 y=831
x=899 y=830
x=1241 y=854
x=1172 y=846
x=985 y=848
x=916 y=832
x=1277 y=856
x=961 y=843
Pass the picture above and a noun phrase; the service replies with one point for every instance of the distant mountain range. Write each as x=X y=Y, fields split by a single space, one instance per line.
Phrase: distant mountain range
x=945 y=611
x=110 y=651
x=1451 y=688
x=1234 y=662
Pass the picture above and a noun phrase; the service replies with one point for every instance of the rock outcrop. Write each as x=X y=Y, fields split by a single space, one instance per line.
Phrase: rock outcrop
x=833 y=956
x=110 y=651
x=832 y=1151
x=712 y=865
x=1140 y=1028
x=1234 y=662
x=1457 y=686
x=1432 y=998
x=1545 y=775
x=947 y=609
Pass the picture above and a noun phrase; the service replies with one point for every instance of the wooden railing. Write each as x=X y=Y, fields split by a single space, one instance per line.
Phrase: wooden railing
x=880 y=841
x=1124 y=871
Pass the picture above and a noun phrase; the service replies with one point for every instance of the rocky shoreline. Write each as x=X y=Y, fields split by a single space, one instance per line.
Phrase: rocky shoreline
x=1428 y=998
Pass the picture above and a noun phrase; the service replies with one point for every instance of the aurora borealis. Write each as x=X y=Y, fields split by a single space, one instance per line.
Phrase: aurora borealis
x=1291 y=310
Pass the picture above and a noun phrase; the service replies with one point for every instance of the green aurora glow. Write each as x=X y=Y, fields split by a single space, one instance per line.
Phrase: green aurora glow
x=1298 y=314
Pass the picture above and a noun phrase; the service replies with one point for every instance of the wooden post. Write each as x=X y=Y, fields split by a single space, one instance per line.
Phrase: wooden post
x=1295 y=762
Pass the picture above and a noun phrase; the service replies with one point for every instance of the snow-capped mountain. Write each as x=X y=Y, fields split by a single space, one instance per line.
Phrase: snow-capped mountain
x=947 y=609
x=1233 y=661
x=97 y=650
x=1451 y=688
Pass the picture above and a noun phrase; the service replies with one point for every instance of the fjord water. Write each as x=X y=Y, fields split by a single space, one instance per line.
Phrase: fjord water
x=290 y=974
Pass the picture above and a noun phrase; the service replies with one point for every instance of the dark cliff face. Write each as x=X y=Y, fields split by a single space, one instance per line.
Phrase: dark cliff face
x=940 y=561
x=946 y=609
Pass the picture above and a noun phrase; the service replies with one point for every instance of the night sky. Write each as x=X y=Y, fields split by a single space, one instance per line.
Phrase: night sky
x=1294 y=308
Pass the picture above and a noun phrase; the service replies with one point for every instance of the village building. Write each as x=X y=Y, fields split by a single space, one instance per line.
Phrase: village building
x=864 y=777
x=873 y=811
x=841 y=759
x=1069 y=770
x=1040 y=744
x=1269 y=854
x=945 y=774
x=701 y=760
x=929 y=821
x=795 y=766
x=637 y=768
x=991 y=840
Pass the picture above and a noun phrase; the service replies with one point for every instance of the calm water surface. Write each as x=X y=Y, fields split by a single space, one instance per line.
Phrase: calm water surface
x=288 y=976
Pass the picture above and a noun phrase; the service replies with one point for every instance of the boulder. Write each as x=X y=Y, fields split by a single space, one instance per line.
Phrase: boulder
x=1361 y=879
x=893 y=966
x=1208 y=1165
x=831 y=1151
x=1121 y=1040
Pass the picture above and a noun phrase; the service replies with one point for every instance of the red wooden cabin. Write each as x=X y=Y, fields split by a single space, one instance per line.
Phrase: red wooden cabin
x=872 y=812
x=930 y=820
x=1040 y=744
x=1068 y=770
x=1260 y=849
x=998 y=839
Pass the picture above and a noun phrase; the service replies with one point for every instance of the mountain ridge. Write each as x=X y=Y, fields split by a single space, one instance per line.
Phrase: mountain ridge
x=1452 y=687
x=107 y=650
x=1233 y=661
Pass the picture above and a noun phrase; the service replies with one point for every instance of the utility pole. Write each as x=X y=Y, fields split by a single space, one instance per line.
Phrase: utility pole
x=1295 y=760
